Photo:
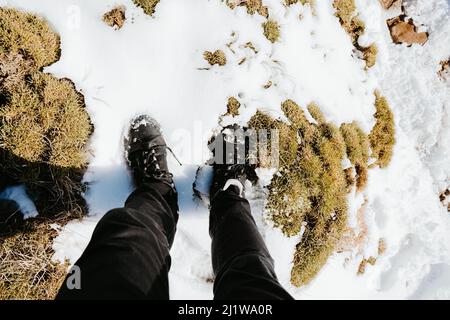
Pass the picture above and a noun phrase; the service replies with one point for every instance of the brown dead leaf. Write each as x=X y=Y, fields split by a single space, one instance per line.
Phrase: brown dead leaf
x=387 y=4
x=445 y=69
x=405 y=32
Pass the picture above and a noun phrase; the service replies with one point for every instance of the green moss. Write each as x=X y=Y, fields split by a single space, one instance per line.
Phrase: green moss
x=357 y=144
x=355 y=27
x=147 y=5
x=316 y=113
x=271 y=30
x=253 y=6
x=310 y=187
x=382 y=136
x=217 y=57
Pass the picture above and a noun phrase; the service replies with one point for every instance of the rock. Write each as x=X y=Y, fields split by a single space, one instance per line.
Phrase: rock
x=405 y=32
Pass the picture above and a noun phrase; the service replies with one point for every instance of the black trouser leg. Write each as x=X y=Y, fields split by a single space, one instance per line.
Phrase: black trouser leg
x=241 y=262
x=128 y=255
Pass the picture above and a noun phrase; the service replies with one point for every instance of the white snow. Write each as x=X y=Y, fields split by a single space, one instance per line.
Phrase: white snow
x=154 y=65
x=19 y=195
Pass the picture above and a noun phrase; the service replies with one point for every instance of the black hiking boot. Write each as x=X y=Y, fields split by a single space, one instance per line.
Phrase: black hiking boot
x=146 y=152
x=232 y=161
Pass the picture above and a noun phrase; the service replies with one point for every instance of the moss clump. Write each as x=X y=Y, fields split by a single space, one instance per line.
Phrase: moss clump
x=253 y=6
x=26 y=267
x=27 y=36
x=256 y=6
x=382 y=136
x=115 y=18
x=370 y=55
x=381 y=246
x=350 y=178
x=44 y=126
x=355 y=27
x=271 y=30
x=310 y=187
x=357 y=143
x=233 y=106
x=147 y=5
x=346 y=12
x=303 y=2
x=216 y=57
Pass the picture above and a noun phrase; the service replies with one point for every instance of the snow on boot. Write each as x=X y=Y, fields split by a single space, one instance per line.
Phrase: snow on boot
x=232 y=160
x=146 y=152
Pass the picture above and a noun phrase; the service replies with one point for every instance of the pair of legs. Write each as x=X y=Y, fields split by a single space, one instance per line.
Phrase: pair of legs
x=128 y=255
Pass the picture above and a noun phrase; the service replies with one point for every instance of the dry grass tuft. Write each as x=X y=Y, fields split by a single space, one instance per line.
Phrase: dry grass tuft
x=44 y=126
x=26 y=267
x=233 y=106
x=13 y=69
x=216 y=57
x=149 y=6
x=271 y=30
x=28 y=36
x=382 y=136
x=44 y=129
x=115 y=18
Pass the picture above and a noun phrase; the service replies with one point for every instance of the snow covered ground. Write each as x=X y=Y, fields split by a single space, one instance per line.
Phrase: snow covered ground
x=155 y=65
